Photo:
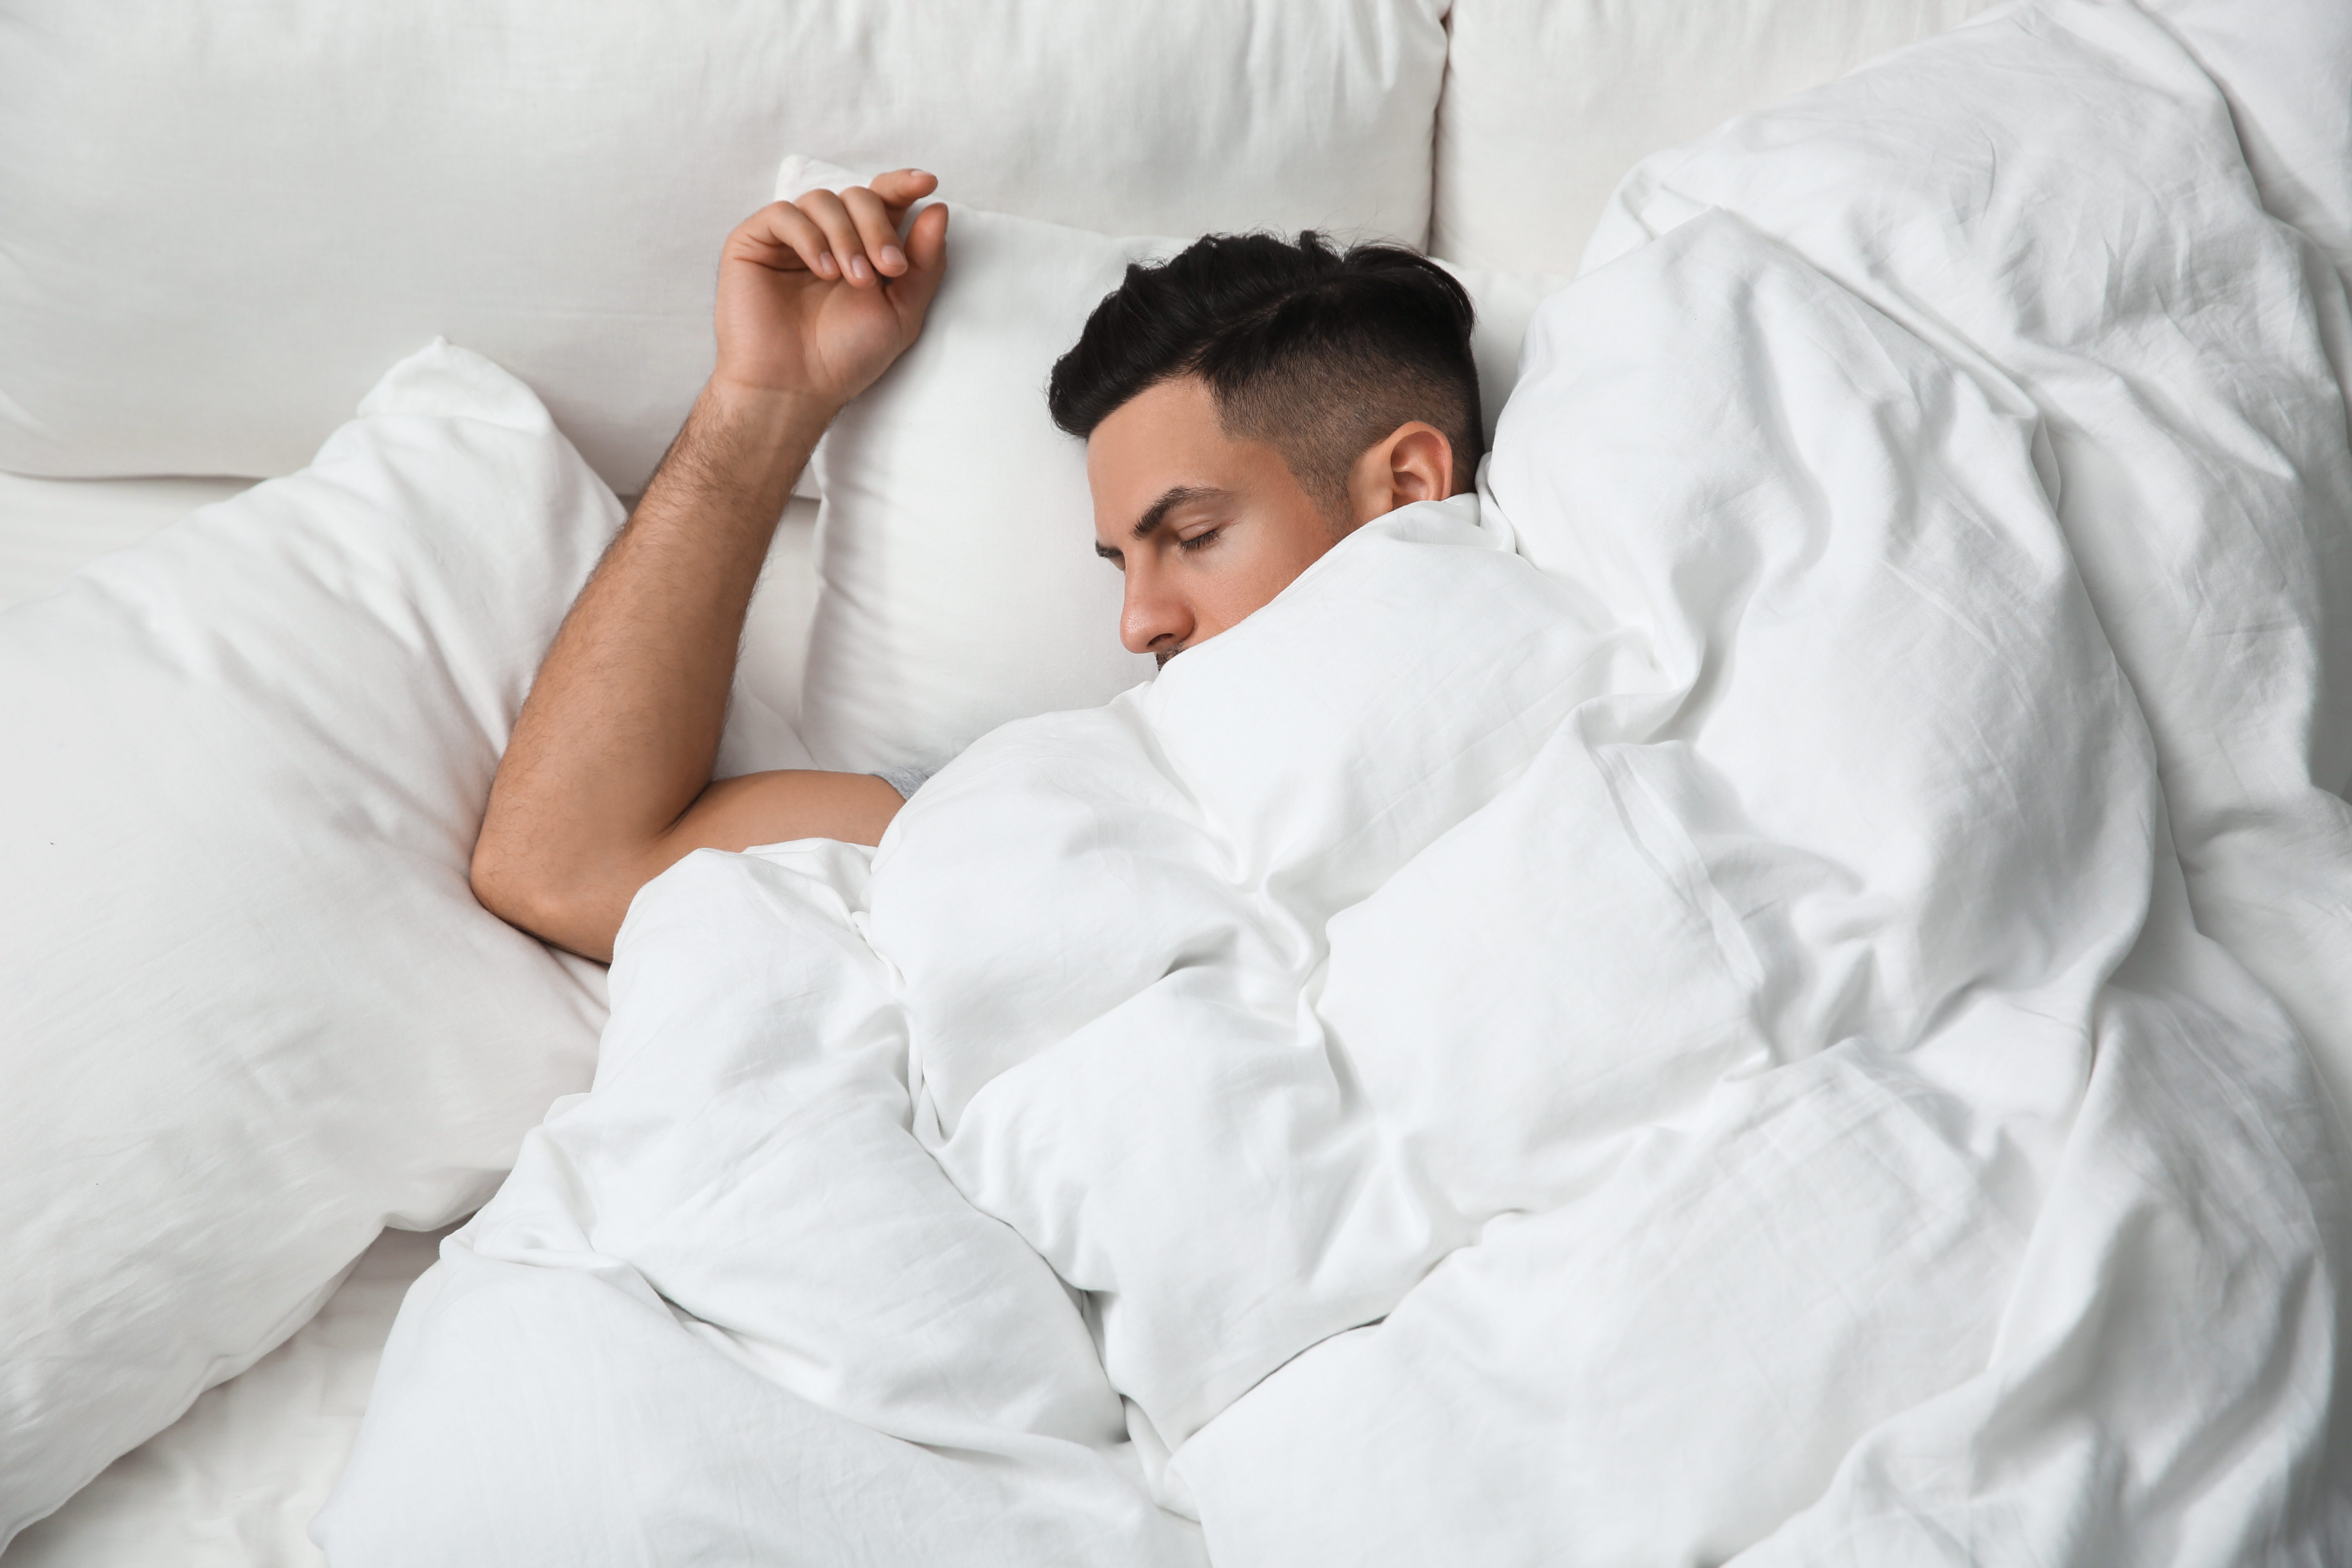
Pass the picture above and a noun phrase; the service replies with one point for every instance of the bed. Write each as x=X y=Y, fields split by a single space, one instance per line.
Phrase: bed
x=227 y=367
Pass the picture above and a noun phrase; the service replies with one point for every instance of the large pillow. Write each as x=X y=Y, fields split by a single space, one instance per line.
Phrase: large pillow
x=958 y=585
x=249 y=1012
x=50 y=527
x=1549 y=102
x=222 y=220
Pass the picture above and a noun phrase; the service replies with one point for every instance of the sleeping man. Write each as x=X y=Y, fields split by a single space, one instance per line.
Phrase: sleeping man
x=1658 y=1013
x=1245 y=405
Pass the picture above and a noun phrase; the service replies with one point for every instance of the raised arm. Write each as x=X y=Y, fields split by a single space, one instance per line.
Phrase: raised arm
x=607 y=782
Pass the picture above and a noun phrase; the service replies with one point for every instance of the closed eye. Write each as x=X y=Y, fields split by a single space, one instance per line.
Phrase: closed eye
x=1201 y=540
x=1115 y=557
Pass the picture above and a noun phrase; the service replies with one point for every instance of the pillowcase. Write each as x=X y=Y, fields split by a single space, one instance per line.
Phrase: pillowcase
x=250 y=1011
x=958 y=585
x=1546 y=106
x=51 y=528
x=221 y=221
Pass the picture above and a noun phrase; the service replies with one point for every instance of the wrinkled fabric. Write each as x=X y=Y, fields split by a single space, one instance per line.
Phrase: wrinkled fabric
x=2056 y=200
x=1667 y=1013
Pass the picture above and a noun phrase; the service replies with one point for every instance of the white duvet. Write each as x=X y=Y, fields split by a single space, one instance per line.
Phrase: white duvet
x=1652 y=1017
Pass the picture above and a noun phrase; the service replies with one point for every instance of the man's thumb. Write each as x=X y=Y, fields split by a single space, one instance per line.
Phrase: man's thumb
x=926 y=260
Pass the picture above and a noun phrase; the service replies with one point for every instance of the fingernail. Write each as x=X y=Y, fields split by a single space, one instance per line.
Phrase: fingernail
x=859 y=271
x=825 y=264
x=891 y=256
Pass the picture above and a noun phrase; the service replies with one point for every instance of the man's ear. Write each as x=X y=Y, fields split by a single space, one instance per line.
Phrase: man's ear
x=1414 y=462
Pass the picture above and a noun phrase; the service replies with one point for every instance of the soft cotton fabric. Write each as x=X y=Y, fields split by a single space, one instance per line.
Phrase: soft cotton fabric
x=221 y=222
x=1657 y=1017
x=2183 y=351
x=233 y=1482
x=250 y=1011
x=1548 y=103
x=51 y=528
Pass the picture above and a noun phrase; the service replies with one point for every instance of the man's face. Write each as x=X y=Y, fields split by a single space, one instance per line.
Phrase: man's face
x=1206 y=527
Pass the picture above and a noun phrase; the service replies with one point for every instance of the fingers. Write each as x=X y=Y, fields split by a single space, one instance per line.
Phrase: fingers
x=927 y=259
x=902 y=188
x=927 y=242
x=781 y=237
x=844 y=247
x=850 y=236
x=877 y=231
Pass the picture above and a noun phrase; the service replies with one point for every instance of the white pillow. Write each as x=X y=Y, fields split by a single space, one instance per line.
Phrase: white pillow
x=1548 y=105
x=958 y=585
x=249 y=1012
x=51 y=528
x=220 y=221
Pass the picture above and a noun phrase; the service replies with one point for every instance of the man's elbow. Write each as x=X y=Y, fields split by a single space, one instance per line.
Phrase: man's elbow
x=531 y=897
x=513 y=890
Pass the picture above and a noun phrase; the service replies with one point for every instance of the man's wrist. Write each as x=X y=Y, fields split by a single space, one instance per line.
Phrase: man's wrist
x=758 y=411
x=747 y=440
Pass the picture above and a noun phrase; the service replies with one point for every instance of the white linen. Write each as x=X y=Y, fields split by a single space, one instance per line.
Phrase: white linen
x=2182 y=352
x=51 y=528
x=2283 y=67
x=957 y=582
x=250 y=1011
x=1698 y=1052
x=221 y=222
x=1680 y=1045
x=1549 y=102
x=233 y=1482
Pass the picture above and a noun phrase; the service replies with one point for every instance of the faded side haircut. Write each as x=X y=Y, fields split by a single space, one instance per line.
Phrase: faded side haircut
x=1314 y=350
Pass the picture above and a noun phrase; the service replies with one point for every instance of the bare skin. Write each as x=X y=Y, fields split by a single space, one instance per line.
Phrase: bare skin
x=1208 y=527
x=608 y=781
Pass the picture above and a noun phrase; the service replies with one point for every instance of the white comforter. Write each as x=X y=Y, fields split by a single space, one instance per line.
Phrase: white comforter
x=1654 y=1019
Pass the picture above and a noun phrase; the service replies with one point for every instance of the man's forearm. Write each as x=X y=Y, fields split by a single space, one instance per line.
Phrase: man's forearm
x=607 y=779
x=622 y=724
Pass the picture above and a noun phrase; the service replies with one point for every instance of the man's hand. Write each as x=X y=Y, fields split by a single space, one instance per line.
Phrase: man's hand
x=607 y=783
x=816 y=296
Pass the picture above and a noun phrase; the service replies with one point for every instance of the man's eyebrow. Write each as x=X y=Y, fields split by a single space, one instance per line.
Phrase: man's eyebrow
x=1179 y=495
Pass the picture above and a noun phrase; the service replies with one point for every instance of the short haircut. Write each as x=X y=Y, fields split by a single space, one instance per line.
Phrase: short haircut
x=1316 y=351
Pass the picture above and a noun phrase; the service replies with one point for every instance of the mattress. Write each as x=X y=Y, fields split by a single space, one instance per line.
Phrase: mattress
x=233 y=1483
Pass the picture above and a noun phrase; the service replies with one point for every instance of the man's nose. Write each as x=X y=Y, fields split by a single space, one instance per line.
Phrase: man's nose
x=1153 y=619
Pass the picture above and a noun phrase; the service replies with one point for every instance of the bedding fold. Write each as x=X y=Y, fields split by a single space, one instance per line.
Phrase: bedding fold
x=2088 y=244
x=1682 y=1009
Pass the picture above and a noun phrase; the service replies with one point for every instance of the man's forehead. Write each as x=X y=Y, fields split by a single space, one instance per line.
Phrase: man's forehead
x=1157 y=453
x=1140 y=472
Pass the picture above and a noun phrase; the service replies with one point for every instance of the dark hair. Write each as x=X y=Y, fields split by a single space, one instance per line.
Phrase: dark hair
x=1316 y=352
